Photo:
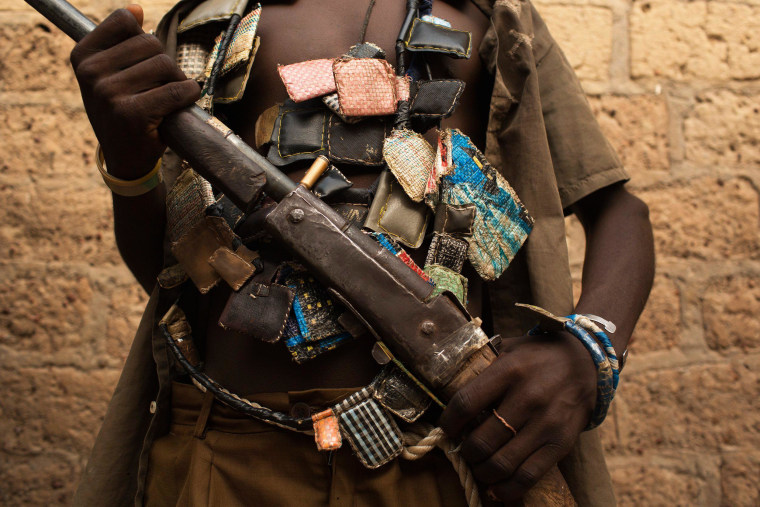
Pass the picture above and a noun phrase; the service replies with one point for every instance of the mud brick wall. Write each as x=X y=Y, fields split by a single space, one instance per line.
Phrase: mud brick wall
x=675 y=86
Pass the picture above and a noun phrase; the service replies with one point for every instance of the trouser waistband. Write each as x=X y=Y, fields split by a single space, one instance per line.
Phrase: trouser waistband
x=192 y=407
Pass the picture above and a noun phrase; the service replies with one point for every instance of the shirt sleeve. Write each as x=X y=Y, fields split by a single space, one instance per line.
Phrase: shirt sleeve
x=583 y=159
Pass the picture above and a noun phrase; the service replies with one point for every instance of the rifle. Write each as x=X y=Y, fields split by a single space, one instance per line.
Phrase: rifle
x=434 y=337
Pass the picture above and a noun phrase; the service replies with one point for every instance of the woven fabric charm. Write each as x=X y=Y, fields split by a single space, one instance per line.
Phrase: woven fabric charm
x=327 y=431
x=447 y=280
x=241 y=45
x=396 y=249
x=363 y=50
x=441 y=167
x=186 y=203
x=333 y=104
x=366 y=86
x=316 y=312
x=403 y=86
x=312 y=327
x=448 y=251
x=502 y=223
x=309 y=79
x=192 y=55
x=410 y=158
x=373 y=434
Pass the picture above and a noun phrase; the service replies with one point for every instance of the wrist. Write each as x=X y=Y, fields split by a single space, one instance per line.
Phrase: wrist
x=584 y=367
x=133 y=186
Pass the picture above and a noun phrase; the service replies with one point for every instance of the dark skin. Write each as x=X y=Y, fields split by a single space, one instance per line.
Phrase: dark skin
x=128 y=86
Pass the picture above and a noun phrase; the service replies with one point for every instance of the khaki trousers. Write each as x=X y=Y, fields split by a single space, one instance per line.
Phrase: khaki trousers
x=213 y=456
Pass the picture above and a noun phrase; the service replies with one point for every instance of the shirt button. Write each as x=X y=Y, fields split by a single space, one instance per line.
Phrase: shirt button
x=153 y=407
x=300 y=410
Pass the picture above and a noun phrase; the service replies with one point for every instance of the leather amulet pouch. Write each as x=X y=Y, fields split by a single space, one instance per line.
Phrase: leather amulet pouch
x=394 y=213
x=258 y=310
x=429 y=36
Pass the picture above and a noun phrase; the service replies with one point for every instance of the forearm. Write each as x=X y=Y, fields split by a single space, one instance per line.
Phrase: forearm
x=619 y=262
x=139 y=224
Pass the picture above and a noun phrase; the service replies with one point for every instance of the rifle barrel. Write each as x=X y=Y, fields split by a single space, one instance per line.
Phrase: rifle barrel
x=65 y=16
x=225 y=160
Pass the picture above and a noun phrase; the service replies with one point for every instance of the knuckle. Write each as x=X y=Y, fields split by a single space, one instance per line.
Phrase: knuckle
x=476 y=449
x=149 y=43
x=535 y=396
x=461 y=403
x=129 y=111
x=558 y=446
x=526 y=477
x=86 y=70
x=503 y=465
x=104 y=89
x=120 y=23
x=175 y=93
x=75 y=57
x=163 y=64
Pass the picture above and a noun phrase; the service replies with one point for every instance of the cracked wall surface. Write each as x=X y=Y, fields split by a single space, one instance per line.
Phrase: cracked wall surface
x=675 y=86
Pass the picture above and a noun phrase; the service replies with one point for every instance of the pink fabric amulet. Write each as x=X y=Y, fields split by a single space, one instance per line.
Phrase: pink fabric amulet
x=366 y=87
x=309 y=79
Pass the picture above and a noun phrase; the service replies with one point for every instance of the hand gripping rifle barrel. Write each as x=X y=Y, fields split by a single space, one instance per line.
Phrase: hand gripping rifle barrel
x=220 y=156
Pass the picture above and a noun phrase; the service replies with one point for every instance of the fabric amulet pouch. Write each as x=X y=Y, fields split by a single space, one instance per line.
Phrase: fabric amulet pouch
x=394 y=213
x=366 y=87
x=308 y=80
x=258 y=310
x=429 y=36
x=410 y=158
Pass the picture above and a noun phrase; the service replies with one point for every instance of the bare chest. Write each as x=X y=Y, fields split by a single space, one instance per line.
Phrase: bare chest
x=310 y=29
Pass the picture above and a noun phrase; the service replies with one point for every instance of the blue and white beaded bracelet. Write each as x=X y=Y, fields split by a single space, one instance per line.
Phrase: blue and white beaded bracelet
x=606 y=373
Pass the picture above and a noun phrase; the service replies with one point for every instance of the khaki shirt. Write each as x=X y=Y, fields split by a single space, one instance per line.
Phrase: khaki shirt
x=547 y=143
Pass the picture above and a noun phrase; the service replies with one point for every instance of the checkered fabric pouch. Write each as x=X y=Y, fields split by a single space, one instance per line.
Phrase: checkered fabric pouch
x=366 y=86
x=309 y=79
x=370 y=430
x=410 y=158
x=192 y=56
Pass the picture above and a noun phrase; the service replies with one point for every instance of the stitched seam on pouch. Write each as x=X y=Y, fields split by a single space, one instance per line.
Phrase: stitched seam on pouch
x=464 y=54
x=321 y=141
x=454 y=104
x=382 y=213
x=332 y=156
x=241 y=91
x=212 y=18
x=287 y=314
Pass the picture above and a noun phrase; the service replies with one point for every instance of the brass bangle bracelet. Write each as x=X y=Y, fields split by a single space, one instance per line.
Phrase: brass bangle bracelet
x=129 y=188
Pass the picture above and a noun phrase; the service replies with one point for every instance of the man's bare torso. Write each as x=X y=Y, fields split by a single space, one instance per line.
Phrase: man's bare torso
x=307 y=29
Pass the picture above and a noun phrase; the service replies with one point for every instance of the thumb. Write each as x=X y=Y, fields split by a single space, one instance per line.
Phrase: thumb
x=137 y=12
